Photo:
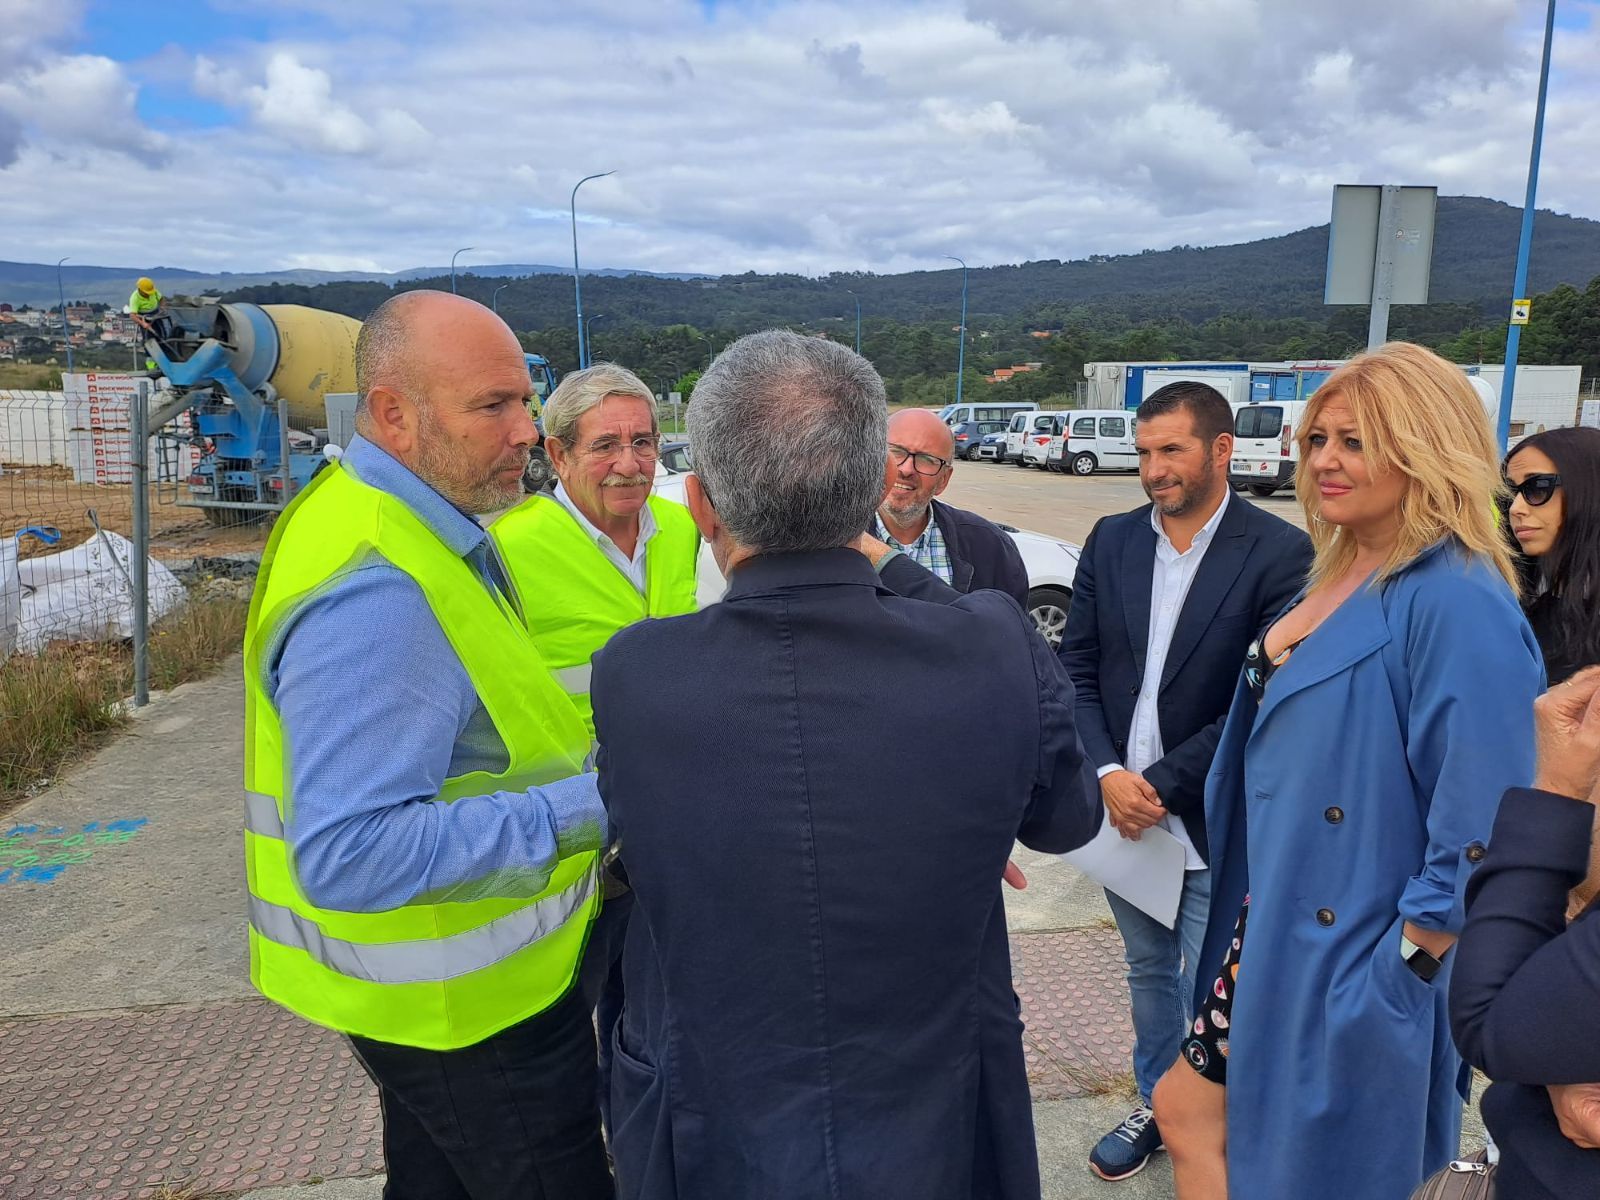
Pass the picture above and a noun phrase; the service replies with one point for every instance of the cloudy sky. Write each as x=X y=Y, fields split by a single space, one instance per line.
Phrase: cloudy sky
x=795 y=135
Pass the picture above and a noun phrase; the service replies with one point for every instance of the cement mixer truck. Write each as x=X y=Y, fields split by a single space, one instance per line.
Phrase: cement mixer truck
x=260 y=391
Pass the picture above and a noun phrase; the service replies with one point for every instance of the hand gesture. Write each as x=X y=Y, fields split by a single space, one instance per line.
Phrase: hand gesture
x=1567 y=727
x=875 y=550
x=1577 y=1108
x=1131 y=803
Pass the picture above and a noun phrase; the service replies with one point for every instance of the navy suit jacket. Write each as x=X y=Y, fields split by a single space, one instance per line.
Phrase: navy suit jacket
x=1525 y=991
x=1255 y=565
x=815 y=802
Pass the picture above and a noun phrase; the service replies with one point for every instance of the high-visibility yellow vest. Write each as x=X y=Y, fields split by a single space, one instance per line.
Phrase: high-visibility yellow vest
x=141 y=304
x=577 y=599
x=438 y=976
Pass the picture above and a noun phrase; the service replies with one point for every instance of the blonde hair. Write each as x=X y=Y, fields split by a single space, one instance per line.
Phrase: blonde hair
x=1416 y=414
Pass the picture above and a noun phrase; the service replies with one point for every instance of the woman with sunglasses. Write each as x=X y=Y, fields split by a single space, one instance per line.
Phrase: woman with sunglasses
x=1555 y=517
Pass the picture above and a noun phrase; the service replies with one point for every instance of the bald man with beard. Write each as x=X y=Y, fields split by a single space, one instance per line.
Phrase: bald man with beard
x=961 y=548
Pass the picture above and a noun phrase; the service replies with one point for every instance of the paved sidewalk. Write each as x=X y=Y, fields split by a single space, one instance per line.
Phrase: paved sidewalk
x=134 y=1056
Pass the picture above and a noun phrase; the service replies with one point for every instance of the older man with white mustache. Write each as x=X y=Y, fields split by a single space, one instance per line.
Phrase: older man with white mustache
x=597 y=557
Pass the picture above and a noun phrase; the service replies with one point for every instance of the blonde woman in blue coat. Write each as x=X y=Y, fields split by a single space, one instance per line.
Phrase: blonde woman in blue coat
x=1377 y=722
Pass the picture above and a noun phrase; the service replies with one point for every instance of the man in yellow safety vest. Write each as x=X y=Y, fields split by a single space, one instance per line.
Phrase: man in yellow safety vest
x=422 y=831
x=600 y=554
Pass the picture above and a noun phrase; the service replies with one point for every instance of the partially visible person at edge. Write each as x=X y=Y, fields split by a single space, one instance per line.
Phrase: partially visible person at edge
x=1525 y=995
x=422 y=836
x=1555 y=518
x=963 y=549
x=600 y=554
x=1374 y=728
x=819 y=987
x=1166 y=600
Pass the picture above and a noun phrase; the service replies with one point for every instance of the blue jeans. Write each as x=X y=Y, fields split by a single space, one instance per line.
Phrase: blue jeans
x=1162 y=965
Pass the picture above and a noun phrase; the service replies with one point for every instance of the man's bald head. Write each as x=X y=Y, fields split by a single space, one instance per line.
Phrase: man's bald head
x=921 y=430
x=443 y=388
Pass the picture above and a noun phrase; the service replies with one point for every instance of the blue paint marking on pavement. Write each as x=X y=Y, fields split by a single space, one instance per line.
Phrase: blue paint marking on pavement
x=34 y=854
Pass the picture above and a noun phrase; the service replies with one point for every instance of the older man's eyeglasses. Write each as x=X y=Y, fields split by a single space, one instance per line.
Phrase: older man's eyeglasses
x=921 y=463
x=1536 y=489
x=645 y=446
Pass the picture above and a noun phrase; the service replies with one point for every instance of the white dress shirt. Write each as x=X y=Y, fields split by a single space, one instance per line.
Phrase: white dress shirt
x=1169 y=587
x=631 y=568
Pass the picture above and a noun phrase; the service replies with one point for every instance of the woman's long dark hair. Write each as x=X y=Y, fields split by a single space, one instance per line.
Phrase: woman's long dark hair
x=1571 y=569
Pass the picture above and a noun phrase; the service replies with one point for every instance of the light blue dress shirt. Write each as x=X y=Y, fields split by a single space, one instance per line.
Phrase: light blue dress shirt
x=378 y=711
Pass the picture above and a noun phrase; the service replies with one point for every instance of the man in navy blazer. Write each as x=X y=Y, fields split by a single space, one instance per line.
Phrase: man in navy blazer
x=1166 y=601
x=815 y=803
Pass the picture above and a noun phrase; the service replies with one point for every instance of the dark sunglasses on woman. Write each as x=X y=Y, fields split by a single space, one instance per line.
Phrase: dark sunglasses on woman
x=1536 y=489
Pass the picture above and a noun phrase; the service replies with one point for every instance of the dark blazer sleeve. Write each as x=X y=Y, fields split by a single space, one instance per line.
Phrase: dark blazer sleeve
x=1523 y=989
x=905 y=576
x=1179 y=775
x=1065 y=810
x=1080 y=655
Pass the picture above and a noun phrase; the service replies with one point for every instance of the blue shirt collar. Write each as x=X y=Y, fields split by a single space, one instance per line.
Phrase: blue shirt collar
x=376 y=467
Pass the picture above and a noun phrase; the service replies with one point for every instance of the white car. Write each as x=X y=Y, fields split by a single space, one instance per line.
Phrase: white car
x=1051 y=563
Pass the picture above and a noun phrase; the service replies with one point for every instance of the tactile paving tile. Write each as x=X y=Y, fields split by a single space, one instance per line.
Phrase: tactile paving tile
x=229 y=1097
x=1074 y=992
x=198 y=1100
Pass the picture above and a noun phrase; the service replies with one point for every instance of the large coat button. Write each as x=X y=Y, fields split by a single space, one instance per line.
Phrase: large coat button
x=1325 y=917
x=1475 y=852
x=1333 y=815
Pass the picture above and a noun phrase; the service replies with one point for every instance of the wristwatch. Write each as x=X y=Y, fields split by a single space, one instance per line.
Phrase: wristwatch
x=1423 y=965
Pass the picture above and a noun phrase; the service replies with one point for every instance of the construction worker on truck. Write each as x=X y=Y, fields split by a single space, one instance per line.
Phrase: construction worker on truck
x=600 y=554
x=148 y=307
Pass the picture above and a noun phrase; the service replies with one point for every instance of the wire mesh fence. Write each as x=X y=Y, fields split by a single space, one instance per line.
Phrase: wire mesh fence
x=69 y=514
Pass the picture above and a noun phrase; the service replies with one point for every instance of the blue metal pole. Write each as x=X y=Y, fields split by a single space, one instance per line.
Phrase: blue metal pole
x=494 y=300
x=463 y=250
x=961 y=355
x=1519 y=288
x=61 y=295
x=577 y=279
x=857 y=299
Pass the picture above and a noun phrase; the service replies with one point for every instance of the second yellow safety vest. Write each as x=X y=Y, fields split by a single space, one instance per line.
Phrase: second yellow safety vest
x=576 y=599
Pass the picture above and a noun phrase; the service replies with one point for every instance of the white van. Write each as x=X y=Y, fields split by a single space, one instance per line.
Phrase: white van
x=1043 y=429
x=1096 y=439
x=1265 y=452
x=1017 y=434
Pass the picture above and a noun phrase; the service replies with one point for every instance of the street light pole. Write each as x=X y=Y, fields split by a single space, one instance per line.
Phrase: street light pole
x=577 y=278
x=961 y=354
x=463 y=250
x=61 y=295
x=857 y=299
x=494 y=300
x=1519 y=288
x=588 y=330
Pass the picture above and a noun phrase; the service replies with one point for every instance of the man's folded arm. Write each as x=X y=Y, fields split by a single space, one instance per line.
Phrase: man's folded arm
x=1065 y=810
x=370 y=733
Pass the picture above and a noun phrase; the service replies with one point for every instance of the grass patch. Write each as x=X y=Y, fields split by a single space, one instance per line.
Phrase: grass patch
x=35 y=377
x=1092 y=1079
x=55 y=705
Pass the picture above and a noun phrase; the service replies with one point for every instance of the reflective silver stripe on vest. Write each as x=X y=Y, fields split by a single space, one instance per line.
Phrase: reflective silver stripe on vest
x=431 y=960
x=574 y=680
x=261 y=815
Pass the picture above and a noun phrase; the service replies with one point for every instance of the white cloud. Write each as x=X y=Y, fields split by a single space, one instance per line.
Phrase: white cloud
x=807 y=135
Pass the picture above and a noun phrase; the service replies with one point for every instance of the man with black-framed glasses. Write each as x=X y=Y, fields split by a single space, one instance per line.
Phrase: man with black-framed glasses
x=960 y=547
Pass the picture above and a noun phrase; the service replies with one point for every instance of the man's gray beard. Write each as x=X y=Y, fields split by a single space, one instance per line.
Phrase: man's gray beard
x=438 y=469
x=908 y=516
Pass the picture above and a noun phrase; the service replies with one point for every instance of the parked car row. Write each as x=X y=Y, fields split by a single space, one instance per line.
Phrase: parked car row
x=1087 y=441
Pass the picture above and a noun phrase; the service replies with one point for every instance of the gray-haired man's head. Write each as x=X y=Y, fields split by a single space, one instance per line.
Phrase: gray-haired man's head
x=788 y=435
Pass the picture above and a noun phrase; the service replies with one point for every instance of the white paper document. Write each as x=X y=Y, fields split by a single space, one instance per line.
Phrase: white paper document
x=1147 y=874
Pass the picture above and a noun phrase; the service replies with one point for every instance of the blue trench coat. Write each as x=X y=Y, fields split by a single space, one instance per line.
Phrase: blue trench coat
x=1359 y=796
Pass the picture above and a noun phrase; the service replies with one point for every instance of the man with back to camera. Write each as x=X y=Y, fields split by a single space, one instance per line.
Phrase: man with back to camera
x=818 y=974
x=1166 y=601
x=421 y=835
x=961 y=548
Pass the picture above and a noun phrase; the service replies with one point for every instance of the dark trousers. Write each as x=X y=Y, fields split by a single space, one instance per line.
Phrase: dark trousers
x=511 y=1118
x=600 y=980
